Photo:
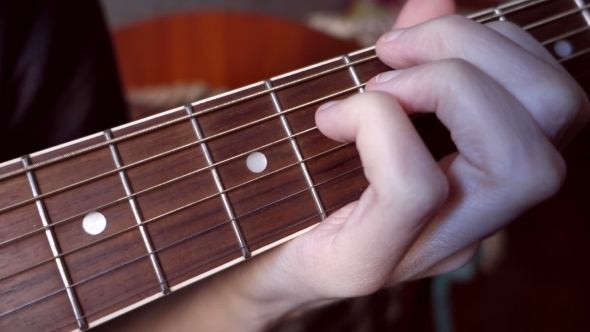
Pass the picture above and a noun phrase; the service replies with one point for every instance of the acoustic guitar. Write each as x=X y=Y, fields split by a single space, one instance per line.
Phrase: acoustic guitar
x=99 y=226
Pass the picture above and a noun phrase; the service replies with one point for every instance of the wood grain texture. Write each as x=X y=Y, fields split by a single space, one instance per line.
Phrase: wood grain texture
x=19 y=308
x=186 y=219
x=219 y=48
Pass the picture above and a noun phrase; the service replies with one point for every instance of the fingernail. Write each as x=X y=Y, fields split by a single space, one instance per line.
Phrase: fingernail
x=387 y=76
x=391 y=35
x=328 y=105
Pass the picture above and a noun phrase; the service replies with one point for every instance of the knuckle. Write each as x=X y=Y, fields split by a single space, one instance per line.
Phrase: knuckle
x=422 y=194
x=533 y=174
x=560 y=103
x=549 y=178
x=457 y=67
x=456 y=23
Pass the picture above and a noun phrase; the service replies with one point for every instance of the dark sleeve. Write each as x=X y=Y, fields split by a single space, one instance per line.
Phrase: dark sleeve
x=58 y=76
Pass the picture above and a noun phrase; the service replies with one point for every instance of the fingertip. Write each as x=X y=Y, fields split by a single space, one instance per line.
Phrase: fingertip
x=417 y=11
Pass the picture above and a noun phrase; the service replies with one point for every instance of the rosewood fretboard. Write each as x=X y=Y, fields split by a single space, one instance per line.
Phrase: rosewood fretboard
x=178 y=199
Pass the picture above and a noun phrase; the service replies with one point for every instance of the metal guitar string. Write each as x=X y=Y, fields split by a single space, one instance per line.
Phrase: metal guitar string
x=183 y=118
x=5 y=209
x=238 y=100
x=356 y=87
x=211 y=109
x=181 y=148
x=144 y=191
x=223 y=255
x=515 y=8
x=157 y=186
x=124 y=198
x=188 y=238
x=565 y=35
x=201 y=200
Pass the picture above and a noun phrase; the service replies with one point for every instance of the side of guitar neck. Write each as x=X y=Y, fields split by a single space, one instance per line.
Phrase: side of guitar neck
x=176 y=197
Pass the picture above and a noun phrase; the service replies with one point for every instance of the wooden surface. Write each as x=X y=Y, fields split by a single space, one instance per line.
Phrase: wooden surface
x=223 y=49
x=185 y=219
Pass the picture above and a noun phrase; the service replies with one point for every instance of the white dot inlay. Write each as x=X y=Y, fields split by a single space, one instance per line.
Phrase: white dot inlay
x=94 y=223
x=563 y=48
x=256 y=162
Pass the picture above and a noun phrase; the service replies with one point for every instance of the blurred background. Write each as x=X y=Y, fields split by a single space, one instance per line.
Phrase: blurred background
x=531 y=277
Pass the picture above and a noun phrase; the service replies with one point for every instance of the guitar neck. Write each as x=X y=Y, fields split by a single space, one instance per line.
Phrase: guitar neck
x=99 y=226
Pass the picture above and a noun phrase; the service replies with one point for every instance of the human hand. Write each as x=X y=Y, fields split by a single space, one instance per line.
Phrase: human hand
x=509 y=106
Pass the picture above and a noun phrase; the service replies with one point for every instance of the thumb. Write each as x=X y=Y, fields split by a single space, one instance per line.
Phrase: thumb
x=418 y=11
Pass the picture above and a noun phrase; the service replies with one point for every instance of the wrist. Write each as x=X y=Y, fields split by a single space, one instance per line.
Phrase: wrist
x=259 y=292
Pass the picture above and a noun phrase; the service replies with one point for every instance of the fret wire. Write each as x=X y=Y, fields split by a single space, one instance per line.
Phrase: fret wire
x=137 y=215
x=229 y=131
x=296 y=150
x=88 y=149
x=55 y=250
x=490 y=11
x=228 y=208
x=498 y=11
x=148 y=159
x=176 y=210
x=517 y=9
x=147 y=190
x=223 y=105
x=565 y=35
x=352 y=72
x=123 y=198
x=554 y=18
x=181 y=241
x=585 y=13
x=575 y=55
x=201 y=265
x=181 y=119
x=560 y=60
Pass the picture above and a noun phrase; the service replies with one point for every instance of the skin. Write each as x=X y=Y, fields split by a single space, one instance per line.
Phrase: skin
x=418 y=217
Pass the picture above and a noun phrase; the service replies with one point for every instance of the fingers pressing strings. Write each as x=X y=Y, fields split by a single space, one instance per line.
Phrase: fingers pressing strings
x=553 y=102
x=505 y=162
x=405 y=187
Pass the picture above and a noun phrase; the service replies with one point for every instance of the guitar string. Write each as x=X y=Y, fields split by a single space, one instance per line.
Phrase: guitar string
x=576 y=55
x=221 y=256
x=332 y=150
x=566 y=35
x=306 y=189
x=115 y=171
x=211 y=109
x=511 y=10
x=181 y=148
x=186 y=117
x=165 y=183
x=144 y=191
x=201 y=200
x=125 y=198
x=556 y=17
x=157 y=186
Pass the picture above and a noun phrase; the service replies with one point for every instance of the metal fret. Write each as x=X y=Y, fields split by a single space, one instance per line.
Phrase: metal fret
x=498 y=11
x=289 y=132
x=137 y=214
x=352 y=71
x=586 y=13
x=82 y=324
x=230 y=212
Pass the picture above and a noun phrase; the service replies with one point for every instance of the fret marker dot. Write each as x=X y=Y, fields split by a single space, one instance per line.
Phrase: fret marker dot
x=563 y=48
x=256 y=162
x=94 y=223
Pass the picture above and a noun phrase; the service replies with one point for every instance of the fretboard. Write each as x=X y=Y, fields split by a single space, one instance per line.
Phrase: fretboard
x=99 y=226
